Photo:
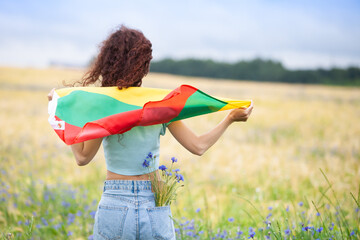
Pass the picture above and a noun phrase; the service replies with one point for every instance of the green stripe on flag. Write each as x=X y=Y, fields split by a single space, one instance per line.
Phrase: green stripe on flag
x=80 y=107
x=199 y=103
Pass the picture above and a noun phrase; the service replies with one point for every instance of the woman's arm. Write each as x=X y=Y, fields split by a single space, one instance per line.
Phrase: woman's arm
x=200 y=144
x=84 y=152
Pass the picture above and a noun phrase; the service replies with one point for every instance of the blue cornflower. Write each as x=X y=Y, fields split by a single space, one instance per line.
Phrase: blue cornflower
x=71 y=218
x=146 y=163
x=190 y=227
x=268 y=224
x=269 y=215
x=65 y=204
x=179 y=177
x=301 y=204
x=287 y=208
x=176 y=170
x=149 y=155
x=251 y=235
x=287 y=231
x=201 y=232
x=270 y=208
x=318 y=214
x=224 y=233
x=231 y=219
x=352 y=233
x=19 y=222
x=44 y=221
x=162 y=167
x=198 y=210
x=319 y=230
x=92 y=214
x=239 y=233
x=79 y=213
x=57 y=226
x=46 y=196
x=173 y=159
x=69 y=233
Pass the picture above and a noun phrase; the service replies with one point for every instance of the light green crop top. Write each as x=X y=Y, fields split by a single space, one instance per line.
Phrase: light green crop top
x=125 y=153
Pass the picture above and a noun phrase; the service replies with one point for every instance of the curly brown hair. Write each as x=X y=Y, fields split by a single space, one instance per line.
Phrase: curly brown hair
x=123 y=61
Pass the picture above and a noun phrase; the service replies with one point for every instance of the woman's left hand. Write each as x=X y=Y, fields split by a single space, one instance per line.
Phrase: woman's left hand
x=50 y=94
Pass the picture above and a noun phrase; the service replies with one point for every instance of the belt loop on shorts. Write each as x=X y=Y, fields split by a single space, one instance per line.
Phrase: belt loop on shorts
x=136 y=187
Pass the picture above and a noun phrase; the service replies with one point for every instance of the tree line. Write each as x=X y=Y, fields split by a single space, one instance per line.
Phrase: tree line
x=257 y=70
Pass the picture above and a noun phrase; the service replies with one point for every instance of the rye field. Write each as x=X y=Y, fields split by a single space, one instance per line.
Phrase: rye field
x=291 y=172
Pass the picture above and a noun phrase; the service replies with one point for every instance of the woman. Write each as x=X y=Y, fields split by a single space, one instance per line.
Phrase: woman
x=127 y=208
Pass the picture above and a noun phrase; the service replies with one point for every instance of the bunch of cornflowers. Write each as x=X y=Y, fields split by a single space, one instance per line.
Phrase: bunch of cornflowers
x=165 y=182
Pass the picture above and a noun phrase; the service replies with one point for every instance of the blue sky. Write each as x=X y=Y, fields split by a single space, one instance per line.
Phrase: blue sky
x=300 y=34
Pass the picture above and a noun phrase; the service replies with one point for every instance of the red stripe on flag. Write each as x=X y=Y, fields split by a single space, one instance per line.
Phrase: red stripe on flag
x=114 y=124
x=167 y=109
x=152 y=113
x=119 y=123
x=69 y=133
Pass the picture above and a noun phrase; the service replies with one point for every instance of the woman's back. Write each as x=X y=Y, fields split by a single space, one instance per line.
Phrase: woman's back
x=125 y=153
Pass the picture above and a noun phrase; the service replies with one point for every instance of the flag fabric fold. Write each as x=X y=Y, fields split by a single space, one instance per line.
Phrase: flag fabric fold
x=83 y=113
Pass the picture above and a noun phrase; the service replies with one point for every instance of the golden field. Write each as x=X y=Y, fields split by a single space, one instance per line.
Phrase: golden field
x=273 y=160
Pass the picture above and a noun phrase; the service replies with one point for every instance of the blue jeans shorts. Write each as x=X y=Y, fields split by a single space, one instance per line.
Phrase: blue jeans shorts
x=127 y=211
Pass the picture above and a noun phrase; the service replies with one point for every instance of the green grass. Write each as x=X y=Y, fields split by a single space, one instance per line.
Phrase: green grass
x=301 y=144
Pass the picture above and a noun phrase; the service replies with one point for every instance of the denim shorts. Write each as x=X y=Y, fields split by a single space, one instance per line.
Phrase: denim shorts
x=127 y=211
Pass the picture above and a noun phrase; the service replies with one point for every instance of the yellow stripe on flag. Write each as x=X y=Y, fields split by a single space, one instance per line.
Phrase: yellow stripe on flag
x=133 y=95
x=238 y=104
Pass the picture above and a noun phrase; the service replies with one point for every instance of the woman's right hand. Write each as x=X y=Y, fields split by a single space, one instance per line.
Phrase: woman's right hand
x=200 y=144
x=50 y=94
x=241 y=114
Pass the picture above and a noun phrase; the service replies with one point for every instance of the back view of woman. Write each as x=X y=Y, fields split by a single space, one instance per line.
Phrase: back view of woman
x=127 y=206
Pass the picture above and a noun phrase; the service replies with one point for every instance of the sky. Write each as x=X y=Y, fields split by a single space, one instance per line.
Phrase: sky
x=302 y=34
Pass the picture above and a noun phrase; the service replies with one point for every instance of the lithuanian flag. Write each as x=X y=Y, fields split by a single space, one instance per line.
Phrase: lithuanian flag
x=83 y=113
